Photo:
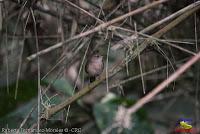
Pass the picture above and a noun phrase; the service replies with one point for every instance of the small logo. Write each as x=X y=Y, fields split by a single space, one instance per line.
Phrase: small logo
x=184 y=125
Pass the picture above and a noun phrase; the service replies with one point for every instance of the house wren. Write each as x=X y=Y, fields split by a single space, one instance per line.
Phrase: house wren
x=94 y=66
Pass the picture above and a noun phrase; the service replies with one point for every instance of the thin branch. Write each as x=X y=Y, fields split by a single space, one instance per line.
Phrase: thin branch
x=38 y=66
x=20 y=58
x=84 y=11
x=140 y=65
x=168 y=43
x=117 y=67
x=153 y=26
x=170 y=17
x=25 y=119
x=117 y=84
x=107 y=58
x=96 y=29
x=47 y=11
x=166 y=82
x=197 y=111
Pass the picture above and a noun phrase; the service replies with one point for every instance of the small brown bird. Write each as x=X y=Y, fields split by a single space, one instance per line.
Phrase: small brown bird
x=94 y=66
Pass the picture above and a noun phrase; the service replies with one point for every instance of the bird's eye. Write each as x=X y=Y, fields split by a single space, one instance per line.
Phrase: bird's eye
x=97 y=56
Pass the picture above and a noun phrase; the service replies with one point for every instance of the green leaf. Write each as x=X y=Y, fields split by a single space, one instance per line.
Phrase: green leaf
x=61 y=85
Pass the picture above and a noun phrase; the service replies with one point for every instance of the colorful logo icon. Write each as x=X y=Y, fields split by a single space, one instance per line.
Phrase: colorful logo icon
x=184 y=125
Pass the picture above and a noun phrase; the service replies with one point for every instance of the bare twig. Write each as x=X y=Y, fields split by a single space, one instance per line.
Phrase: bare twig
x=20 y=59
x=49 y=112
x=140 y=65
x=98 y=28
x=162 y=85
x=47 y=11
x=116 y=84
x=84 y=11
x=170 y=17
x=25 y=119
x=153 y=26
x=38 y=66
x=197 y=111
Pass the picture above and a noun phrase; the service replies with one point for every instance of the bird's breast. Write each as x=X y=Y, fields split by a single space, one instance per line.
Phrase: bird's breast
x=95 y=68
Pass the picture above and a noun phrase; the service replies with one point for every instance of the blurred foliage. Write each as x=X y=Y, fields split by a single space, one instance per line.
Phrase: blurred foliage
x=27 y=89
x=61 y=85
x=105 y=114
x=13 y=111
x=13 y=119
